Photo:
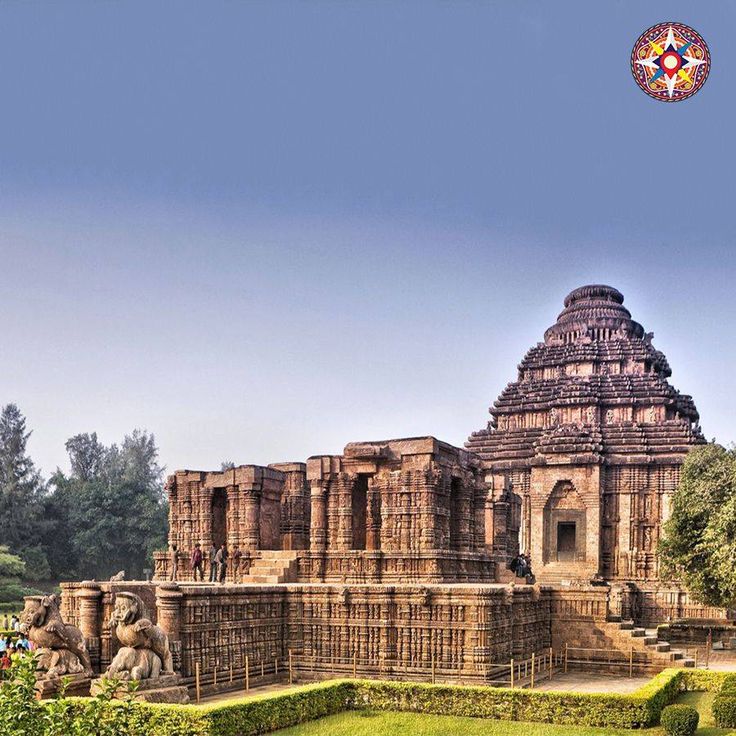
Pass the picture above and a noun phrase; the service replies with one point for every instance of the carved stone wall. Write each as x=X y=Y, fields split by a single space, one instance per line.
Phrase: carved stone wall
x=239 y=506
x=389 y=629
x=394 y=511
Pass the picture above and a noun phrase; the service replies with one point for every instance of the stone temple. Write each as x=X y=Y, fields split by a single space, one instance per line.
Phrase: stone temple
x=394 y=554
x=589 y=440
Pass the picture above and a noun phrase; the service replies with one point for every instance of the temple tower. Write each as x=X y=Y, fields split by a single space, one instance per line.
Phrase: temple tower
x=590 y=439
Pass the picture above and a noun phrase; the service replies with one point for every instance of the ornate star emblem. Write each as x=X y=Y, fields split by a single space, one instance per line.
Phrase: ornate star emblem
x=670 y=61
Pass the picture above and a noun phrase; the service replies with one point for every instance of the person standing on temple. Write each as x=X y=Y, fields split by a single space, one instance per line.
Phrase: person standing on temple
x=237 y=559
x=197 y=562
x=174 y=562
x=221 y=560
x=213 y=563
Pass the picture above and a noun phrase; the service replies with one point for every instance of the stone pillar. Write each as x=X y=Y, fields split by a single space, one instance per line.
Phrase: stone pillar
x=318 y=528
x=624 y=535
x=500 y=529
x=90 y=595
x=345 y=512
x=373 y=516
x=168 y=609
x=235 y=522
x=465 y=511
x=251 y=510
x=204 y=496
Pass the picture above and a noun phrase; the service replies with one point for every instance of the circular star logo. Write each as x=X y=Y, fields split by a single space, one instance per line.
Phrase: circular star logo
x=670 y=61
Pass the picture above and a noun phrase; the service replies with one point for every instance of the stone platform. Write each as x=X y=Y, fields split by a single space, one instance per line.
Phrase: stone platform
x=48 y=687
x=164 y=689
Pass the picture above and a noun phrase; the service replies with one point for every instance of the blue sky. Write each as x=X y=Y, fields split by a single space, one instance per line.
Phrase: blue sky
x=263 y=230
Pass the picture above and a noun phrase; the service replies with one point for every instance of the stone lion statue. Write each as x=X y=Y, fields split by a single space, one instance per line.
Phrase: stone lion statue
x=144 y=652
x=61 y=647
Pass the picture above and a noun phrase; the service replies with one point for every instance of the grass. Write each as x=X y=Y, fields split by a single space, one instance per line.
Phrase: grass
x=372 y=723
x=703 y=702
x=368 y=723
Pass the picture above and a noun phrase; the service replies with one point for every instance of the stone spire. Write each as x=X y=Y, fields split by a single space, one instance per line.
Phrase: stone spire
x=597 y=367
x=594 y=312
x=591 y=436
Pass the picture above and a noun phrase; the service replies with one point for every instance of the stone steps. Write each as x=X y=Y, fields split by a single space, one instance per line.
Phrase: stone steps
x=646 y=640
x=262 y=579
x=273 y=567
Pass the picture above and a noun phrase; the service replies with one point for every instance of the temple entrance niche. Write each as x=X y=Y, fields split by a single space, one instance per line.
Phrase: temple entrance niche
x=564 y=525
x=566 y=541
x=359 y=508
x=219 y=516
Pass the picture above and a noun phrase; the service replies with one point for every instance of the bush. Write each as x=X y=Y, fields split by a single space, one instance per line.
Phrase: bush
x=729 y=684
x=101 y=716
x=702 y=680
x=724 y=710
x=641 y=708
x=680 y=720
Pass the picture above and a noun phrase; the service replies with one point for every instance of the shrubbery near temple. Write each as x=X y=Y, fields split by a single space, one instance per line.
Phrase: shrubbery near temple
x=680 y=720
x=699 y=541
x=102 y=716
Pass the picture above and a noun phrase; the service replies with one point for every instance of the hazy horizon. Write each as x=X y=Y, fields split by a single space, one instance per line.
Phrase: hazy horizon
x=262 y=231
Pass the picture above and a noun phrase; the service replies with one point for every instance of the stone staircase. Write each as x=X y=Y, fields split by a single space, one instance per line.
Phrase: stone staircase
x=273 y=566
x=626 y=635
x=559 y=573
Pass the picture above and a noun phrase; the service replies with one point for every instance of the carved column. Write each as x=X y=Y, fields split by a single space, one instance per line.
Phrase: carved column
x=89 y=595
x=318 y=530
x=204 y=495
x=234 y=516
x=168 y=608
x=345 y=512
x=465 y=512
x=251 y=509
x=373 y=516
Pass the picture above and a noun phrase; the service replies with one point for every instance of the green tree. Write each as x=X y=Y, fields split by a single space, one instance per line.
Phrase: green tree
x=12 y=590
x=699 y=542
x=110 y=511
x=22 y=523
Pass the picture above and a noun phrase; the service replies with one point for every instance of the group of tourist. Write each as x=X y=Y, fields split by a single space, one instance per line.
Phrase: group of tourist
x=219 y=558
x=12 y=644
x=521 y=566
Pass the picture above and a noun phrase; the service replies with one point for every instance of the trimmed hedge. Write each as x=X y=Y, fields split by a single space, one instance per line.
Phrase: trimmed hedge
x=724 y=704
x=702 y=680
x=260 y=714
x=238 y=717
x=680 y=720
x=641 y=708
x=271 y=712
x=248 y=716
x=724 y=710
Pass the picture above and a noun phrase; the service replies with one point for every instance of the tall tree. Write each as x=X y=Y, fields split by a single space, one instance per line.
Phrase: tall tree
x=12 y=590
x=699 y=542
x=86 y=455
x=21 y=491
x=112 y=506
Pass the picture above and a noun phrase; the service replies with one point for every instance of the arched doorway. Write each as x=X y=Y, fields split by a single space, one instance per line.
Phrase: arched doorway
x=564 y=525
x=359 y=508
x=219 y=516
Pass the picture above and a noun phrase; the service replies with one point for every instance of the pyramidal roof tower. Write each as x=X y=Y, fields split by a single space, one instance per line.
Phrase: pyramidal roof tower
x=588 y=442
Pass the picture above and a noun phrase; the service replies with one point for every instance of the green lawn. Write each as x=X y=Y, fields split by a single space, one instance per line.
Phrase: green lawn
x=368 y=723
x=703 y=702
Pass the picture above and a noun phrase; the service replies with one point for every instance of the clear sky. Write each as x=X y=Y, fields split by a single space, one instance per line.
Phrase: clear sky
x=263 y=230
